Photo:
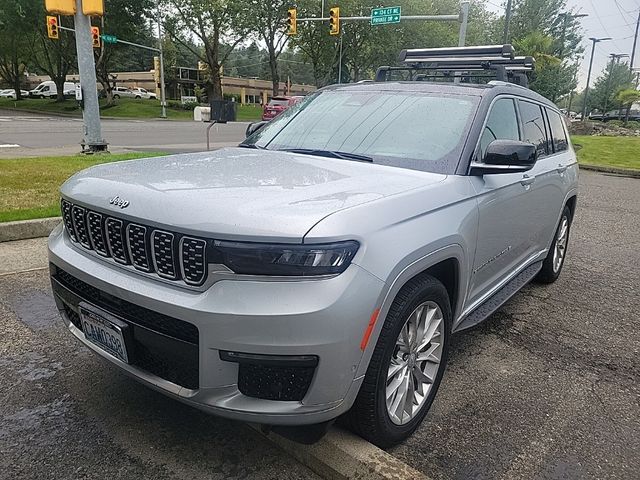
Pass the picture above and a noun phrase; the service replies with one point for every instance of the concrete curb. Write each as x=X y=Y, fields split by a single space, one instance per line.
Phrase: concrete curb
x=341 y=455
x=25 y=229
x=617 y=171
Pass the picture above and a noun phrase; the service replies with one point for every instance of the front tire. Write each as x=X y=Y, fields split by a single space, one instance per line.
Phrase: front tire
x=552 y=265
x=407 y=365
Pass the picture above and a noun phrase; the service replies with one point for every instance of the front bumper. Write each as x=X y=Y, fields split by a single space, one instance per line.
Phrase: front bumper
x=321 y=318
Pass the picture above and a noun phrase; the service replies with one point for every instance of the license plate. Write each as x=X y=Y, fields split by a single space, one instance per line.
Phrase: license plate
x=104 y=331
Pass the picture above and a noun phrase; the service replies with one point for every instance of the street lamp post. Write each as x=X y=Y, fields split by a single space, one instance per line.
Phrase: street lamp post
x=586 y=90
x=615 y=59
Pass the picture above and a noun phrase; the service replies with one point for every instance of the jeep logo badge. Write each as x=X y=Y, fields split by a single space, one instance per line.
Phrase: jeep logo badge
x=119 y=202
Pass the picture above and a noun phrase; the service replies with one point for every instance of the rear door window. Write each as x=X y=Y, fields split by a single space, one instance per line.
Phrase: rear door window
x=533 y=127
x=558 y=133
x=502 y=124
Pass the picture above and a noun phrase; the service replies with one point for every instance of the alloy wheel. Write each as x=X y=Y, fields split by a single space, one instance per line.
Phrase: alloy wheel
x=561 y=244
x=415 y=362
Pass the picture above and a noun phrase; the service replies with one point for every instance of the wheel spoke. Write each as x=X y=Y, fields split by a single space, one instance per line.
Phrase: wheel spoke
x=428 y=355
x=422 y=376
x=393 y=386
x=394 y=368
x=430 y=333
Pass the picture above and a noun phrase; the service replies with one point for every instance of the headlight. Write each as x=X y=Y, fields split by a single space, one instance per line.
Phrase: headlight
x=285 y=260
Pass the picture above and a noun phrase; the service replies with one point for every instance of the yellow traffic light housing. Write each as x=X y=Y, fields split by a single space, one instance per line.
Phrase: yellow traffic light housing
x=52 y=27
x=94 y=8
x=292 y=21
x=60 y=7
x=95 y=37
x=334 y=21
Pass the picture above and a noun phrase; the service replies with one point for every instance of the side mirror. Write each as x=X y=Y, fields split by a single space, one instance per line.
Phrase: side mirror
x=506 y=156
x=254 y=127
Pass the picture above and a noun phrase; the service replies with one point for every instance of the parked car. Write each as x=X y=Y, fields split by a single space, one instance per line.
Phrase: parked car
x=48 y=89
x=11 y=93
x=321 y=267
x=278 y=105
x=122 y=92
x=140 y=92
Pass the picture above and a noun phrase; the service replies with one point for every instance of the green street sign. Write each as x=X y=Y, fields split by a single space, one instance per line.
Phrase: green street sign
x=109 y=38
x=385 y=15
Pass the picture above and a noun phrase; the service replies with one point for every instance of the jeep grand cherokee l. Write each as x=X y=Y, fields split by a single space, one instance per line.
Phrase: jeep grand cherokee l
x=320 y=268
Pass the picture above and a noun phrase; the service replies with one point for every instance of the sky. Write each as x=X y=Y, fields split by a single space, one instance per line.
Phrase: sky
x=607 y=18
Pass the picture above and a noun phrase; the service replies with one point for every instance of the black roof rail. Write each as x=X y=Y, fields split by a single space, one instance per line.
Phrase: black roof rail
x=462 y=62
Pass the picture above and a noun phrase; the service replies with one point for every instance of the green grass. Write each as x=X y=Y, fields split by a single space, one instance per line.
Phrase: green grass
x=617 y=152
x=29 y=187
x=124 y=108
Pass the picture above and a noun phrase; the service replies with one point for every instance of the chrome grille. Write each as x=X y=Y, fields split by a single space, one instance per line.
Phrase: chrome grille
x=166 y=254
x=115 y=240
x=138 y=247
x=96 y=233
x=163 y=254
x=192 y=253
x=65 y=207
x=80 y=225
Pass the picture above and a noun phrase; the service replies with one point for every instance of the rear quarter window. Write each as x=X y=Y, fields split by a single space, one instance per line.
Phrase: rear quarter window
x=558 y=132
x=533 y=127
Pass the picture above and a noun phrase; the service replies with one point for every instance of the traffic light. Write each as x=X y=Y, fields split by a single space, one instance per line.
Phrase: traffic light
x=292 y=21
x=94 y=8
x=52 y=27
x=334 y=21
x=60 y=7
x=95 y=37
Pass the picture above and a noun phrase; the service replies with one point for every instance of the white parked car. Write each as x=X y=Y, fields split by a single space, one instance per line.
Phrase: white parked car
x=140 y=92
x=123 y=92
x=11 y=93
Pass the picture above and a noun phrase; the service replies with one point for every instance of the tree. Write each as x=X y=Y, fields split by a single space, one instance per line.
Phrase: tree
x=210 y=23
x=627 y=97
x=126 y=19
x=267 y=21
x=16 y=40
x=57 y=58
x=615 y=78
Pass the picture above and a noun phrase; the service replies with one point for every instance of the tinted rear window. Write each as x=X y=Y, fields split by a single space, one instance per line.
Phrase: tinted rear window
x=277 y=102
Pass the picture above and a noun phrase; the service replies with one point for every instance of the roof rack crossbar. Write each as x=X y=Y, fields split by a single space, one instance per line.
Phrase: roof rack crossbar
x=492 y=51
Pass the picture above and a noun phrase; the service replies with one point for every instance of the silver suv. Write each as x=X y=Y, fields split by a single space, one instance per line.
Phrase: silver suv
x=320 y=268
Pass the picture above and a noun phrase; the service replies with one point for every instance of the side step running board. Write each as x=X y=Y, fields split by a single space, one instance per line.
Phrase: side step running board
x=499 y=298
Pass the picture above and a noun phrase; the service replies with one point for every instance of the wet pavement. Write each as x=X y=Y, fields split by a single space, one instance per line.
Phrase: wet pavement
x=549 y=386
x=546 y=388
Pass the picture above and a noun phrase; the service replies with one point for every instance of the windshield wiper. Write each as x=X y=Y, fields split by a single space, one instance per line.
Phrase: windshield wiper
x=250 y=145
x=330 y=154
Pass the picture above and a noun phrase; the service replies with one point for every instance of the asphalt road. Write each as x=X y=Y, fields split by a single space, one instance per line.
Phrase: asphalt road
x=546 y=388
x=549 y=386
x=27 y=134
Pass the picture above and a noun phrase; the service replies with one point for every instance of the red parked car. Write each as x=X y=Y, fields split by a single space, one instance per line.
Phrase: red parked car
x=277 y=105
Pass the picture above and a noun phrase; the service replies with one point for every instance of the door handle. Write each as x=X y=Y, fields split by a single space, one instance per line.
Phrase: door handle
x=527 y=180
x=562 y=168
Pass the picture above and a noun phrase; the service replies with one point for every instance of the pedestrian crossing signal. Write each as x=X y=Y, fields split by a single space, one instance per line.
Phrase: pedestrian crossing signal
x=52 y=27
x=95 y=37
x=334 y=21
x=292 y=21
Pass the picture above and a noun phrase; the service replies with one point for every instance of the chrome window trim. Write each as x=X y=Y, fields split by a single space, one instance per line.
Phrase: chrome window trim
x=153 y=255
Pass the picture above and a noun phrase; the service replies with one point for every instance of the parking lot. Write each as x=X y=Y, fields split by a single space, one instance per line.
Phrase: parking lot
x=546 y=388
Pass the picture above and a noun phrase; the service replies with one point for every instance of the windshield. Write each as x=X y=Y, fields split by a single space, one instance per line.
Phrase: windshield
x=412 y=129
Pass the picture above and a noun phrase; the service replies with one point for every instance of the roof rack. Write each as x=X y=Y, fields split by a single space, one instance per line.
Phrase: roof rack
x=462 y=62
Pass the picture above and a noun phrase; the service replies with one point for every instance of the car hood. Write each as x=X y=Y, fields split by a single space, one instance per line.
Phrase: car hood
x=238 y=193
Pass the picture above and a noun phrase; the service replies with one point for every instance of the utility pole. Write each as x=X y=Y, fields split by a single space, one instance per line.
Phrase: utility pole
x=92 y=140
x=163 y=100
x=340 y=61
x=635 y=42
x=507 y=20
x=586 y=90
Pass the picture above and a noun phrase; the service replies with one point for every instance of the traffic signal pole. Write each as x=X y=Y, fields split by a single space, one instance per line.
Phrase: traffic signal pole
x=92 y=141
